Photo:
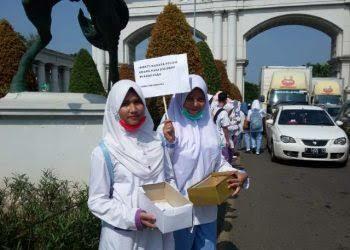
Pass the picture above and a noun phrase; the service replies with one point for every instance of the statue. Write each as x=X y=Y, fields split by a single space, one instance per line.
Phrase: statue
x=108 y=18
x=39 y=13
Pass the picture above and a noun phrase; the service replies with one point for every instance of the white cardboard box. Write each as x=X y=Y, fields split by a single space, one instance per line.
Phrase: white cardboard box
x=171 y=209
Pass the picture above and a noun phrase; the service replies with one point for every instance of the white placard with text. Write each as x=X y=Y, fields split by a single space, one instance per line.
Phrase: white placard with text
x=164 y=75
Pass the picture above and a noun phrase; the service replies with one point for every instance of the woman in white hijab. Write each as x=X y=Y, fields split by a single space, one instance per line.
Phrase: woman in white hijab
x=131 y=154
x=195 y=154
x=255 y=118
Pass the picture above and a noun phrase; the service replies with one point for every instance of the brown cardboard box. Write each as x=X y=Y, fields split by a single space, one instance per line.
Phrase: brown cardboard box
x=212 y=190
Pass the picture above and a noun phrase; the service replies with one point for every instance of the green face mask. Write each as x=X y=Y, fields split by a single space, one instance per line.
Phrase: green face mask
x=190 y=116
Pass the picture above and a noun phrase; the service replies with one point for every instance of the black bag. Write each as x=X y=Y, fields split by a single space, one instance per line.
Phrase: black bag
x=217 y=114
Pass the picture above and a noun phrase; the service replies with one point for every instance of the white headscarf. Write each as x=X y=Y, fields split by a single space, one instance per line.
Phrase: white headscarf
x=141 y=152
x=256 y=105
x=197 y=141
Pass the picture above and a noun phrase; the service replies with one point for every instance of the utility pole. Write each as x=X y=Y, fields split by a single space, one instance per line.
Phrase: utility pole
x=194 y=19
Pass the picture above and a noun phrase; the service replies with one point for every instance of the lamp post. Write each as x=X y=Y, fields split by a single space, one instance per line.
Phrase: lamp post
x=194 y=15
x=194 y=19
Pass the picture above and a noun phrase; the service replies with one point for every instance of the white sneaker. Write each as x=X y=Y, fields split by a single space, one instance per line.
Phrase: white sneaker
x=257 y=153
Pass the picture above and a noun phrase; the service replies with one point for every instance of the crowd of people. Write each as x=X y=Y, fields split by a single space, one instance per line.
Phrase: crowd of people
x=240 y=125
x=183 y=151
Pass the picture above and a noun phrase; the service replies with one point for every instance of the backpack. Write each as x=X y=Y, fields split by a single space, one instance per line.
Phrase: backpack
x=256 y=123
x=217 y=115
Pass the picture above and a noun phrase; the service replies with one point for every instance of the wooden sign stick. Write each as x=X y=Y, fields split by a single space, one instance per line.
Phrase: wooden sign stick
x=165 y=108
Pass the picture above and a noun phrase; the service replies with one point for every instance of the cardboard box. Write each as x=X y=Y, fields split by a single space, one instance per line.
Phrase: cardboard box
x=172 y=210
x=212 y=190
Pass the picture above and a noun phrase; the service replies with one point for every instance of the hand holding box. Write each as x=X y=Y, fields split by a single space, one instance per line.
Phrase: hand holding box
x=171 y=209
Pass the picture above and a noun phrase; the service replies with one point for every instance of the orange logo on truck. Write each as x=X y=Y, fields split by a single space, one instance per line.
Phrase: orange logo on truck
x=288 y=83
x=328 y=90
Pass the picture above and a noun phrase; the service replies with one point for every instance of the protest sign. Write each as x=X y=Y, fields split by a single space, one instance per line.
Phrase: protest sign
x=162 y=76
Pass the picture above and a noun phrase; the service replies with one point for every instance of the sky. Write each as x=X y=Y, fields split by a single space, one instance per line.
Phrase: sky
x=284 y=45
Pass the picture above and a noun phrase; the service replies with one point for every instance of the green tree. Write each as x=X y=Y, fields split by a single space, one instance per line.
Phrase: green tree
x=126 y=72
x=211 y=73
x=170 y=35
x=11 y=50
x=230 y=89
x=251 y=92
x=321 y=70
x=85 y=78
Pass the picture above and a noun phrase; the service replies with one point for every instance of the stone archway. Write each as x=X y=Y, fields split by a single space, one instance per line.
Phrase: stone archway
x=140 y=35
x=228 y=25
x=133 y=40
x=318 y=23
x=315 y=22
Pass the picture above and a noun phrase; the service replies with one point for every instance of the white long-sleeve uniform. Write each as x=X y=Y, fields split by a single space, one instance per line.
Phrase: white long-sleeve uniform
x=120 y=211
x=203 y=214
x=206 y=214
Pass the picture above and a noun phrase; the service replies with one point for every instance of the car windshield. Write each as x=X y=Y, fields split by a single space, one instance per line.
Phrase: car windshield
x=333 y=111
x=328 y=99
x=305 y=117
x=346 y=110
x=288 y=96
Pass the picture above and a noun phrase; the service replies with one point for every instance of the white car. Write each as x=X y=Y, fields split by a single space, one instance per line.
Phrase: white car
x=306 y=133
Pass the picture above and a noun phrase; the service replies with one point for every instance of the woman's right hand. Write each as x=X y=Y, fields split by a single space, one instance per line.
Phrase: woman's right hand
x=148 y=220
x=169 y=131
x=236 y=181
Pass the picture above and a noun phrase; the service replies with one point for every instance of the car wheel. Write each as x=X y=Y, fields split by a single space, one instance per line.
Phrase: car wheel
x=272 y=153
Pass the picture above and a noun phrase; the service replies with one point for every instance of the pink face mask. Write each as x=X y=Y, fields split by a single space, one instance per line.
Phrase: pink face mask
x=132 y=128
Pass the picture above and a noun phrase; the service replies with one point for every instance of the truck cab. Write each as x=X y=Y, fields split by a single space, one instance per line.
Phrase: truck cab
x=287 y=87
x=327 y=93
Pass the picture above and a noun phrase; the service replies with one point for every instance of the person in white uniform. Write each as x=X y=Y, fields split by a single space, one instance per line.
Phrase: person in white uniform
x=137 y=157
x=195 y=153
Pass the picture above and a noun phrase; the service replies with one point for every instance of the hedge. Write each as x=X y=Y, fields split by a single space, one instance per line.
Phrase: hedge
x=51 y=214
x=85 y=77
x=211 y=73
x=12 y=49
x=226 y=86
x=171 y=34
x=126 y=71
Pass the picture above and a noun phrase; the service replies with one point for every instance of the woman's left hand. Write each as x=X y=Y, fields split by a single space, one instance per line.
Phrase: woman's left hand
x=236 y=182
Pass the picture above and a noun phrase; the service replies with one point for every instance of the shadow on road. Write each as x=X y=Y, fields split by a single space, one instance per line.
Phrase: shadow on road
x=223 y=225
x=225 y=217
x=226 y=245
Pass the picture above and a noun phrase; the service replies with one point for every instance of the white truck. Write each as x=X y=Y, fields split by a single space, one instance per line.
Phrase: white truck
x=328 y=93
x=285 y=85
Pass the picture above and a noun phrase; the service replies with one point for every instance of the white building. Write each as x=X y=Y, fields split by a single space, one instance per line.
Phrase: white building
x=227 y=26
x=54 y=68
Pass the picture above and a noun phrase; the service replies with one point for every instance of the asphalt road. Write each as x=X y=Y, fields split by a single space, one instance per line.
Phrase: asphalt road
x=288 y=206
